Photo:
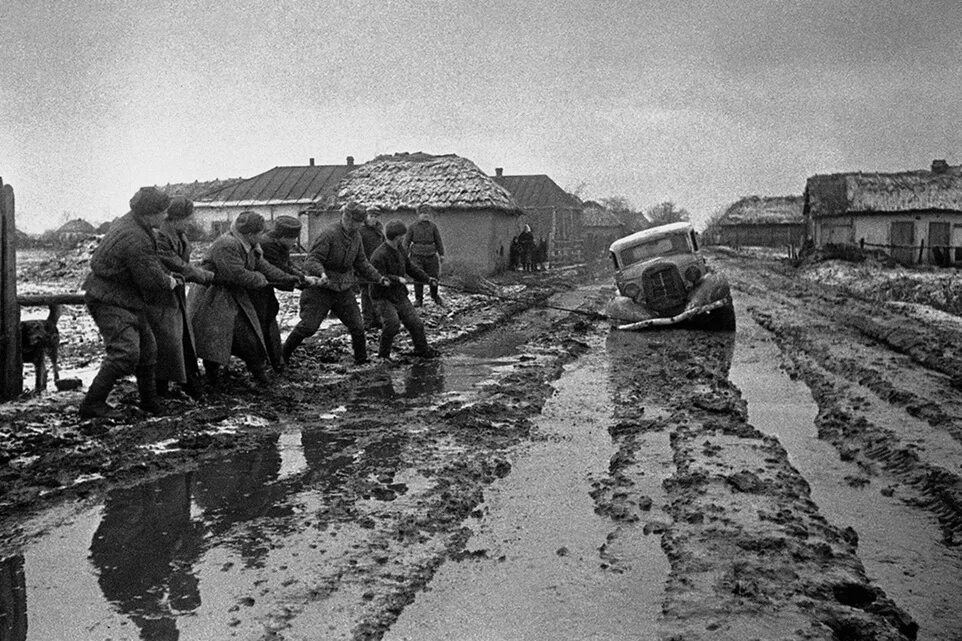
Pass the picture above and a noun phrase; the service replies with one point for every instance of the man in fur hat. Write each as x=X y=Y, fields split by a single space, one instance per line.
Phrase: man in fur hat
x=176 y=356
x=222 y=314
x=392 y=301
x=277 y=245
x=337 y=258
x=125 y=275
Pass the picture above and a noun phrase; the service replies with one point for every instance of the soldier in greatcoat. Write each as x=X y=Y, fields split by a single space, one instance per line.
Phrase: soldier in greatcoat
x=392 y=301
x=426 y=250
x=126 y=274
x=337 y=258
x=276 y=246
x=222 y=314
x=372 y=235
x=176 y=356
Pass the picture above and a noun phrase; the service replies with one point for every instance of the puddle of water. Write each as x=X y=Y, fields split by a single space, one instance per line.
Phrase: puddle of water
x=541 y=575
x=898 y=545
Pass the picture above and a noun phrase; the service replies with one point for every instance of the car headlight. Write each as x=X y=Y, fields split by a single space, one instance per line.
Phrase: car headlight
x=631 y=290
x=692 y=274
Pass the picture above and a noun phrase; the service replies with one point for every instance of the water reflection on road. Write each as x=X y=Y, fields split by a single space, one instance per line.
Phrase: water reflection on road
x=137 y=557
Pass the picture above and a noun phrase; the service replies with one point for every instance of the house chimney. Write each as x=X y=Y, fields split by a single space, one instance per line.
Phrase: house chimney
x=310 y=162
x=940 y=167
x=350 y=161
x=499 y=171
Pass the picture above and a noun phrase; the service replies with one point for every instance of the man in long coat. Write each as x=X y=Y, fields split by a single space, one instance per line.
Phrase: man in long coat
x=372 y=235
x=125 y=274
x=222 y=315
x=423 y=244
x=176 y=356
x=336 y=257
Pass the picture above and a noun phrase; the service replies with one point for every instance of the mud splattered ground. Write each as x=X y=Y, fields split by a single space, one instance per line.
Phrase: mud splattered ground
x=797 y=479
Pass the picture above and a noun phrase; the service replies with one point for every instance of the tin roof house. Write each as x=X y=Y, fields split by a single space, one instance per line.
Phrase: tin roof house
x=281 y=191
x=554 y=214
x=476 y=216
x=763 y=221
x=916 y=216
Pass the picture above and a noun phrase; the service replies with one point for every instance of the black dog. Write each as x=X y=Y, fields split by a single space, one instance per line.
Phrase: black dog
x=39 y=340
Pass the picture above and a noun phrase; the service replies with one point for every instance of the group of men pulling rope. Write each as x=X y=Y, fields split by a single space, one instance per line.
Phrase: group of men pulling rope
x=154 y=328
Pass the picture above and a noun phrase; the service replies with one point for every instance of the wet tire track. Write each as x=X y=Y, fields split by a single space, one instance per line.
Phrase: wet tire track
x=748 y=548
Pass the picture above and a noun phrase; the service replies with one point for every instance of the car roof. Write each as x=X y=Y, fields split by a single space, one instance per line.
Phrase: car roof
x=646 y=235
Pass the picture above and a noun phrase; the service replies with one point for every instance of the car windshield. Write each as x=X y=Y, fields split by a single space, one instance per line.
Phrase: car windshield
x=662 y=246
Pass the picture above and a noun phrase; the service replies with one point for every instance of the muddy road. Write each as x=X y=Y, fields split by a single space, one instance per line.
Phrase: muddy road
x=546 y=478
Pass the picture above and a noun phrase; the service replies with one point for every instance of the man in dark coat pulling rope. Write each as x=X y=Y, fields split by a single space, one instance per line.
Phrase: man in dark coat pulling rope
x=392 y=302
x=125 y=275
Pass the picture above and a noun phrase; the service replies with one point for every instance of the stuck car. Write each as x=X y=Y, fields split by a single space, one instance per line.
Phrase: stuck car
x=663 y=280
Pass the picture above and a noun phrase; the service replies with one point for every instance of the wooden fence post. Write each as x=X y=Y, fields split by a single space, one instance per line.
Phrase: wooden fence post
x=11 y=368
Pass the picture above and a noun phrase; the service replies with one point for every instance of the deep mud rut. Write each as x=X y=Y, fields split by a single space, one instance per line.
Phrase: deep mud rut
x=546 y=478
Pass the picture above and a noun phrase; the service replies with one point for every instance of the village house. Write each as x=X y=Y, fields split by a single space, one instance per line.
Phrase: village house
x=281 y=191
x=601 y=228
x=476 y=216
x=762 y=221
x=553 y=214
x=73 y=231
x=916 y=216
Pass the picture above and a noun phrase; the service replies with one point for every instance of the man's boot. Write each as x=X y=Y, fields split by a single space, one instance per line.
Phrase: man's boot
x=193 y=387
x=291 y=344
x=95 y=404
x=212 y=372
x=359 y=345
x=147 y=387
x=163 y=388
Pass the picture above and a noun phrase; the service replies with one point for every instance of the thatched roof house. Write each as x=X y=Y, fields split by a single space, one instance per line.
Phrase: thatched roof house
x=553 y=213
x=72 y=232
x=601 y=228
x=914 y=215
x=763 y=221
x=476 y=216
x=198 y=189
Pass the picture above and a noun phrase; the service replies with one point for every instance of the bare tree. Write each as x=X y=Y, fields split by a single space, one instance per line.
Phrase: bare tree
x=667 y=212
x=633 y=219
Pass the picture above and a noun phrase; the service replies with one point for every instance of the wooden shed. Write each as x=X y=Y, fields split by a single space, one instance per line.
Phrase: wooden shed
x=553 y=214
x=476 y=216
x=763 y=221
x=916 y=216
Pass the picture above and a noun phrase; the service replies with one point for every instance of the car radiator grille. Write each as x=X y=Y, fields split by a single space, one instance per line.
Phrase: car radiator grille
x=665 y=290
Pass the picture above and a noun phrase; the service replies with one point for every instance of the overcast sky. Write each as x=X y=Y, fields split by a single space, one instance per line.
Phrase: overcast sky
x=695 y=102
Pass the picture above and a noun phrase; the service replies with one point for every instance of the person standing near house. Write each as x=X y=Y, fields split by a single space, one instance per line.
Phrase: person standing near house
x=526 y=247
x=392 y=301
x=125 y=274
x=276 y=246
x=337 y=258
x=423 y=244
x=222 y=314
x=372 y=235
x=176 y=356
